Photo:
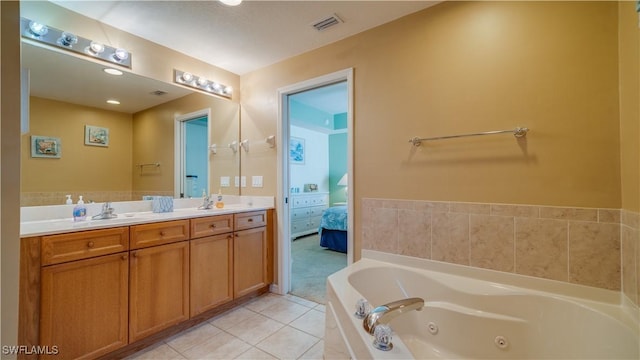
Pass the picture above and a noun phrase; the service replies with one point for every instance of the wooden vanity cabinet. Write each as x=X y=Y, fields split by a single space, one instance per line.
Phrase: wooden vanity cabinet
x=250 y=253
x=83 y=303
x=158 y=278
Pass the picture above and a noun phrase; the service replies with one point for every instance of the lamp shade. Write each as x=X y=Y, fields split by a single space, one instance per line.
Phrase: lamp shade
x=344 y=180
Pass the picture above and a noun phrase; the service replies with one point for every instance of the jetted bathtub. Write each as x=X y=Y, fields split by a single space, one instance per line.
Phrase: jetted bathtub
x=476 y=314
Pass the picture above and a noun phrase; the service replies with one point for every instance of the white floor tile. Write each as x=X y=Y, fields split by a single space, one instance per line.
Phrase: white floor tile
x=287 y=343
x=232 y=318
x=312 y=323
x=221 y=346
x=255 y=329
x=192 y=337
x=285 y=311
x=315 y=353
x=159 y=351
x=255 y=353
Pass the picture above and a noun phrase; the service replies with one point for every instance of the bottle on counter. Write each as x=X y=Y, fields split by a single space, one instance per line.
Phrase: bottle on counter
x=69 y=201
x=219 y=203
x=80 y=211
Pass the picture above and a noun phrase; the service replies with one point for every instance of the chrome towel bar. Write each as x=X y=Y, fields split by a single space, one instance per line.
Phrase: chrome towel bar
x=517 y=132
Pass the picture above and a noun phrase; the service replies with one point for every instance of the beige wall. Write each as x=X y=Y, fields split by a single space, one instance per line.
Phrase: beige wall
x=9 y=170
x=81 y=167
x=629 y=37
x=462 y=67
x=153 y=142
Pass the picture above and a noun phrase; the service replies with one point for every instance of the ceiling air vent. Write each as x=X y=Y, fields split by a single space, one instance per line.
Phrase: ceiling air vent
x=158 y=93
x=327 y=22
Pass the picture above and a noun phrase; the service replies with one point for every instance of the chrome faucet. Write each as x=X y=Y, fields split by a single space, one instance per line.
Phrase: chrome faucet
x=207 y=203
x=106 y=213
x=383 y=314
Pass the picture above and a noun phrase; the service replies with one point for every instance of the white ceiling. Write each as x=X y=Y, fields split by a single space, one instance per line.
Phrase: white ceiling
x=247 y=37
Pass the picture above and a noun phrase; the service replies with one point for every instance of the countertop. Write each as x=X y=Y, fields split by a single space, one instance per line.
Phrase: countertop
x=66 y=225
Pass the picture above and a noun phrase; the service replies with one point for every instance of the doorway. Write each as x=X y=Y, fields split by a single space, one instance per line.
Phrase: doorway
x=192 y=134
x=303 y=174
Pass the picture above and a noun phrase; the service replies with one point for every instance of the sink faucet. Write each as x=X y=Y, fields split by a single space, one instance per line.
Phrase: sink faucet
x=107 y=212
x=385 y=313
x=207 y=203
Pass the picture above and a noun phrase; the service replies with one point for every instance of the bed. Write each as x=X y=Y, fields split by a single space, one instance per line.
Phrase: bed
x=333 y=229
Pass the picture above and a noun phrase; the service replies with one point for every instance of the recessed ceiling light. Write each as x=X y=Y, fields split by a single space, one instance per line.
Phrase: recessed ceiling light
x=231 y=2
x=111 y=71
x=113 y=102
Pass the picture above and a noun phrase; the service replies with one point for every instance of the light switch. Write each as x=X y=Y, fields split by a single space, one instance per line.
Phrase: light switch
x=243 y=181
x=224 y=181
x=237 y=182
x=256 y=181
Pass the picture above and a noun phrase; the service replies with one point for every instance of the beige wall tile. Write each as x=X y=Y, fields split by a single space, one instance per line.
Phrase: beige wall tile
x=470 y=208
x=414 y=233
x=450 y=237
x=542 y=248
x=384 y=230
x=492 y=242
x=630 y=219
x=628 y=239
x=567 y=213
x=594 y=254
x=609 y=216
x=515 y=210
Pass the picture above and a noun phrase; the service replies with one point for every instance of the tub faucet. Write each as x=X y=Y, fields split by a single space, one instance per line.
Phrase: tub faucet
x=383 y=314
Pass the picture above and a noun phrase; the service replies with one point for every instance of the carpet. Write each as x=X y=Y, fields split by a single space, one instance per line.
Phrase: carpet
x=311 y=265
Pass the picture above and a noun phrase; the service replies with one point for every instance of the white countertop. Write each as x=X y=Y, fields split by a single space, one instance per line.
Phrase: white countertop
x=42 y=220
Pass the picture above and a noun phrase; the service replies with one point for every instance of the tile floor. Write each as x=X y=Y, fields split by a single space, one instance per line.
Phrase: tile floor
x=269 y=327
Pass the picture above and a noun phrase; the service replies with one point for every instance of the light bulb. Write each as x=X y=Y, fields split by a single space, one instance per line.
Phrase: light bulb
x=186 y=77
x=202 y=81
x=95 y=48
x=121 y=54
x=38 y=29
x=67 y=39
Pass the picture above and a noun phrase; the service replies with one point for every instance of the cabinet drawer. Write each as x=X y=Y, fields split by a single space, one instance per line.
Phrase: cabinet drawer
x=211 y=225
x=146 y=235
x=250 y=220
x=82 y=245
x=314 y=222
x=299 y=226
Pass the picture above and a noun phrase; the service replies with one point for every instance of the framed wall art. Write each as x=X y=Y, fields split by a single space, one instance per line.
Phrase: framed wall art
x=296 y=150
x=96 y=136
x=45 y=147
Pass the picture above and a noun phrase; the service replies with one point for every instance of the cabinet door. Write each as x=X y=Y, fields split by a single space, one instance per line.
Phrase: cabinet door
x=158 y=288
x=249 y=260
x=211 y=272
x=84 y=306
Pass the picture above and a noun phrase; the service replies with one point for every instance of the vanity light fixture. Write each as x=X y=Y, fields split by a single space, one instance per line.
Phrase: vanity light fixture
x=41 y=33
x=201 y=83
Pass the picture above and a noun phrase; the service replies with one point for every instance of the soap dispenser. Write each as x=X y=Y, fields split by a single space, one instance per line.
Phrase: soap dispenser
x=219 y=203
x=69 y=201
x=80 y=211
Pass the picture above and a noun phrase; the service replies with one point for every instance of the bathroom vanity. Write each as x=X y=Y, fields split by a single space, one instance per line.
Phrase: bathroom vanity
x=112 y=289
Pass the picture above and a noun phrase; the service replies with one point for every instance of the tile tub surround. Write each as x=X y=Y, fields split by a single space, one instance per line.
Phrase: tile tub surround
x=587 y=246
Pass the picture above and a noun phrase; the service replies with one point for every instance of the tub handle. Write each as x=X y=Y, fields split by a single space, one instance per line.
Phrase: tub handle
x=362 y=309
x=382 y=337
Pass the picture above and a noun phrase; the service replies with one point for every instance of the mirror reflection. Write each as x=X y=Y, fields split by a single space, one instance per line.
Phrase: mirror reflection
x=78 y=144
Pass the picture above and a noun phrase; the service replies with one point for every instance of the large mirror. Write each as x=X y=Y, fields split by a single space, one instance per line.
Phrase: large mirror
x=78 y=144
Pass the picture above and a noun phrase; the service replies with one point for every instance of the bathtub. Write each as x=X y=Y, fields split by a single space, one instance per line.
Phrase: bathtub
x=474 y=313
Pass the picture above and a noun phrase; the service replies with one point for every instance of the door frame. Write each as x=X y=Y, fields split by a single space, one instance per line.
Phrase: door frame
x=178 y=155
x=283 y=225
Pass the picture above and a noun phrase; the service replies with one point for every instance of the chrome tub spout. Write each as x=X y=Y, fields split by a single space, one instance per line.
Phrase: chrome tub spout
x=385 y=313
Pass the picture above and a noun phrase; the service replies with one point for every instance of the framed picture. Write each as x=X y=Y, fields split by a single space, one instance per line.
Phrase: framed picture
x=45 y=147
x=296 y=150
x=96 y=136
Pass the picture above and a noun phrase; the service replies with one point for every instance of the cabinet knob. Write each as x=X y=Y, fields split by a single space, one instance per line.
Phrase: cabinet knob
x=213 y=226
x=229 y=237
x=135 y=254
x=237 y=235
x=124 y=257
x=250 y=220
x=90 y=244
x=162 y=233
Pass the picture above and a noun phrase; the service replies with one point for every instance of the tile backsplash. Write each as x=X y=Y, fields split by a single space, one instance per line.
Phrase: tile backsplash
x=587 y=246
